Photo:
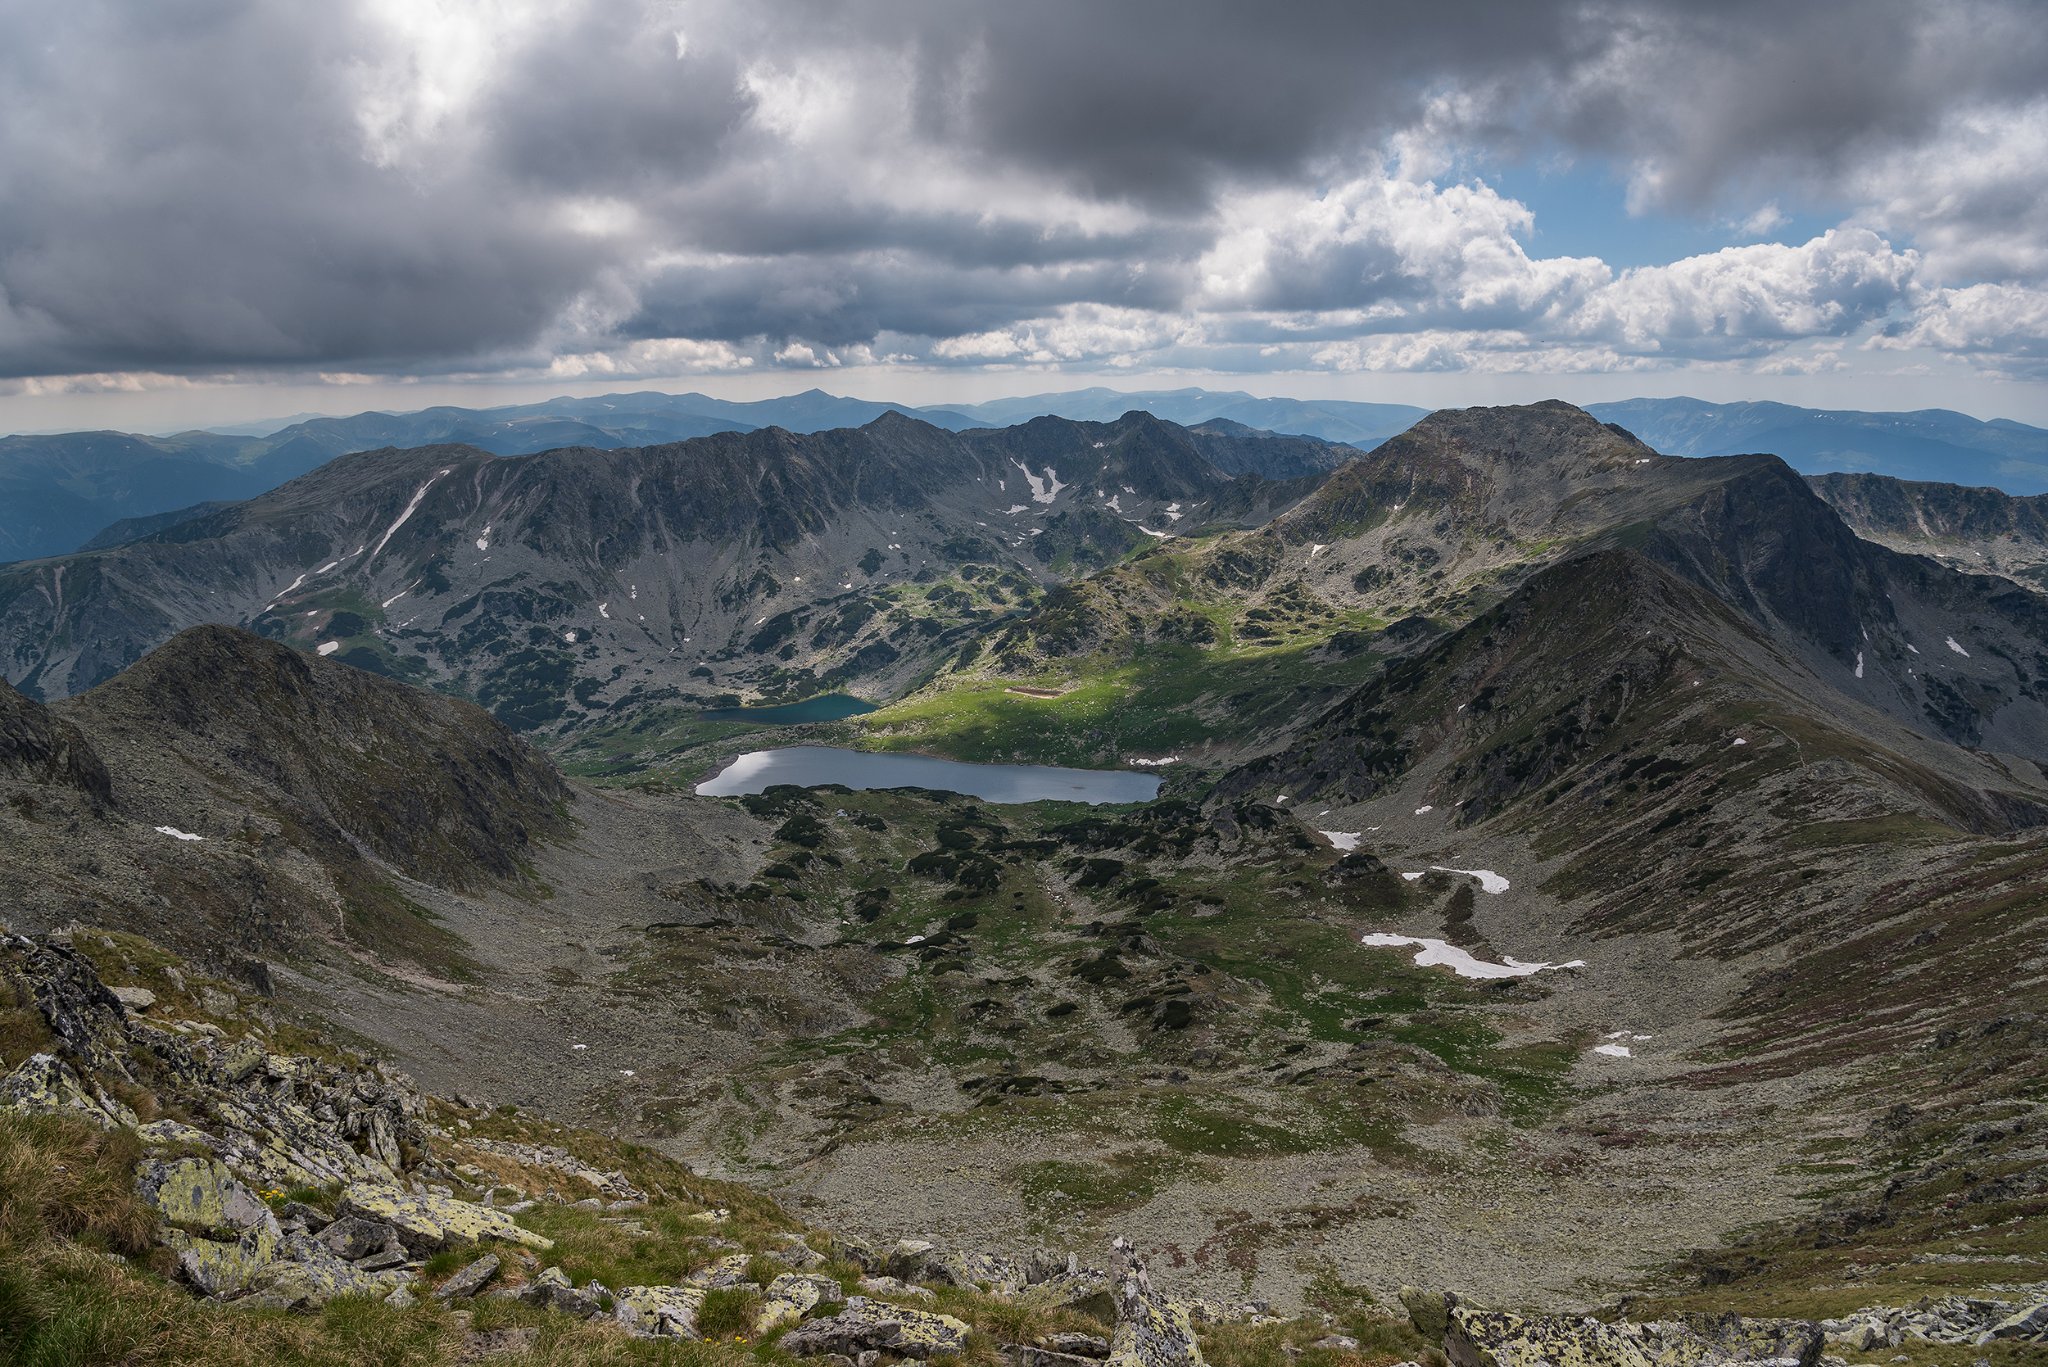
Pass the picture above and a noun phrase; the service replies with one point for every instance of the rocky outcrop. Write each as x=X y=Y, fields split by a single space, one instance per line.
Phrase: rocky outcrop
x=1151 y=1330
x=2020 y=1313
x=1492 y=1338
x=879 y=1326
x=429 y=1221
x=39 y=748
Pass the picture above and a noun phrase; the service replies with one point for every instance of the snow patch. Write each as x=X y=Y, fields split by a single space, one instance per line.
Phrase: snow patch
x=1957 y=649
x=1411 y=877
x=1489 y=881
x=1737 y=741
x=1341 y=840
x=1425 y=809
x=329 y=647
x=174 y=833
x=392 y=599
x=1316 y=548
x=1015 y=508
x=1614 y=1050
x=1438 y=953
x=1043 y=490
x=602 y=610
x=1173 y=512
x=1859 y=664
x=570 y=637
x=419 y=494
x=1156 y=763
x=483 y=540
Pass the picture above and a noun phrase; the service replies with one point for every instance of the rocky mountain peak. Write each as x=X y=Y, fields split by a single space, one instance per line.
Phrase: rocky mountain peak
x=432 y=785
x=1553 y=435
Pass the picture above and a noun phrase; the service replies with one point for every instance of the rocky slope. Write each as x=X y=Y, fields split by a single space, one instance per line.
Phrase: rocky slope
x=554 y=586
x=1211 y=647
x=277 y=1174
x=1977 y=531
x=230 y=791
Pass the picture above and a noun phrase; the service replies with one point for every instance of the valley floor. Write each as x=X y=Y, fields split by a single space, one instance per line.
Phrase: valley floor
x=1620 y=1166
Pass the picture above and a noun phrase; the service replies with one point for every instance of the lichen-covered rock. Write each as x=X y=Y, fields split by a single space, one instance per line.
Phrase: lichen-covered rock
x=201 y=1196
x=1076 y=1345
x=304 y=1272
x=2028 y=1326
x=429 y=1222
x=1427 y=1311
x=1151 y=1331
x=1488 y=1338
x=731 y=1270
x=552 y=1290
x=469 y=1280
x=46 y=1083
x=896 y=1289
x=871 y=1325
x=790 y=1297
x=1085 y=1289
x=792 y=1251
x=659 y=1311
x=970 y=1270
x=222 y=1268
x=354 y=1237
x=88 y=1020
x=909 y=1260
x=851 y=1248
x=1026 y=1355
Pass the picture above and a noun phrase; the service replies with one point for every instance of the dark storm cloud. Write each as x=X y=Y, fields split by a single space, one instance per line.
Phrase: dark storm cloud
x=845 y=301
x=190 y=184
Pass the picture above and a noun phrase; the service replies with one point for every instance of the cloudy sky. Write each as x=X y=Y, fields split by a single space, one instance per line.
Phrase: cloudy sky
x=219 y=209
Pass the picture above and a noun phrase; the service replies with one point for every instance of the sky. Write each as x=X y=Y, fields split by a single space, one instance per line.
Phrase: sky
x=222 y=210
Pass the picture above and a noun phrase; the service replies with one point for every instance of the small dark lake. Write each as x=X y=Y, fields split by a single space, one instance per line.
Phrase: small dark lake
x=808 y=766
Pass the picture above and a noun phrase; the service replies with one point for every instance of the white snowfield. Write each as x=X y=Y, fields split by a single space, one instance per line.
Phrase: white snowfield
x=1155 y=763
x=410 y=508
x=1859 y=664
x=329 y=647
x=1957 y=649
x=174 y=833
x=1425 y=809
x=1489 y=881
x=1043 y=490
x=1614 y=1050
x=1438 y=953
x=1342 y=840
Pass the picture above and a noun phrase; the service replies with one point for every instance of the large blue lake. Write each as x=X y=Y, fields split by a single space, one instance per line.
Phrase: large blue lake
x=807 y=766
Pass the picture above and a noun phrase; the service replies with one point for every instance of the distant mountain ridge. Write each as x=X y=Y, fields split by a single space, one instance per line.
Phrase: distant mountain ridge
x=62 y=492
x=1932 y=444
x=758 y=562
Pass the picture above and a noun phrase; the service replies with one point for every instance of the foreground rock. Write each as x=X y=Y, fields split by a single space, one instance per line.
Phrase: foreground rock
x=1491 y=1338
x=879 y=1326
x=1151 y=1331
x=428 y=1222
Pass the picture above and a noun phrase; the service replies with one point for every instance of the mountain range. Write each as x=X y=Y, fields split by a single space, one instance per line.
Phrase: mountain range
x=63 y=492
x=1739 y=814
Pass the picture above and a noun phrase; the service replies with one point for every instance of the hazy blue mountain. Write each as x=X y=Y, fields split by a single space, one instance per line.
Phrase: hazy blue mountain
x=1356 y=424
x=1932 y=444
